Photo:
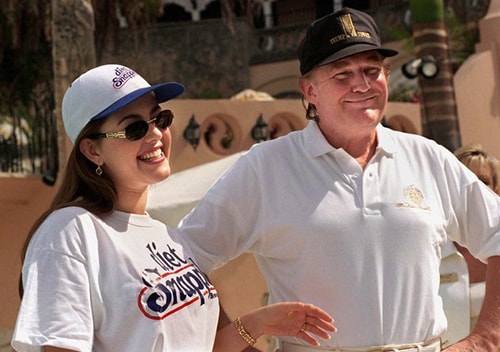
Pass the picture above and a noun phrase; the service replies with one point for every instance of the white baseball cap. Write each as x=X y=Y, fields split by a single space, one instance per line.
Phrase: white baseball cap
x=106 y=89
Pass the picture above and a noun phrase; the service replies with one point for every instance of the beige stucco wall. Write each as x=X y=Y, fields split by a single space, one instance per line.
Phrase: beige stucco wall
x=275 y=78
x=477 y=87
x=478 y=101
x=240 y=117
x=22 y=200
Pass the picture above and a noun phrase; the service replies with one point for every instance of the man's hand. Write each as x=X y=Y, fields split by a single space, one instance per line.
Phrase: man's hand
x=486 y=334
x=472 y=344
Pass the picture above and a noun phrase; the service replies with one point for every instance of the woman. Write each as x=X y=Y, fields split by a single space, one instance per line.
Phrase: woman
x=483 y=164
x=99 y=274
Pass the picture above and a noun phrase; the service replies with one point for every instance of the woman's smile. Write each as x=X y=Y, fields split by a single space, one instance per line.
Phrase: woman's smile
x=155 y=155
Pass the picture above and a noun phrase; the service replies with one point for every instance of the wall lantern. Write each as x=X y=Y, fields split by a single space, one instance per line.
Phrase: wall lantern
x=192 y=133
x=49 y=177
x=260 y=131
x=427 y=66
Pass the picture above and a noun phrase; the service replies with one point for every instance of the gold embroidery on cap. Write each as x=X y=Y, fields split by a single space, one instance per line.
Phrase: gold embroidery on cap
x=349 y=30
x=348 y=26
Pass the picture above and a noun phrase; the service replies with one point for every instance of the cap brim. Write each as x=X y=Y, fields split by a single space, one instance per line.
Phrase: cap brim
x=163 y=92
x=357 y=49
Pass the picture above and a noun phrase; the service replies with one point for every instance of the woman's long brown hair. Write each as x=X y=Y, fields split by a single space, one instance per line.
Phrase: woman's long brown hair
x=80 y=187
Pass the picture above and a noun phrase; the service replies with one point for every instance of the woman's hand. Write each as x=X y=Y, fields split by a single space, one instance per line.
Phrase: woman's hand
x=278 y=319
x=289 y=319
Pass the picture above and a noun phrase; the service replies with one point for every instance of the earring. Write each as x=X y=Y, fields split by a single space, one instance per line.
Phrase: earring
x=98 y=170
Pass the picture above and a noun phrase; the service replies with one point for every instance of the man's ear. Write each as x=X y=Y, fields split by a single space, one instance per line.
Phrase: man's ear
x=88 y=147
x=308 y=89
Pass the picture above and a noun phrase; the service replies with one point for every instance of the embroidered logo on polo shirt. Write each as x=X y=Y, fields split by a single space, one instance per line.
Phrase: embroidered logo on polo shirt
x=349 y=30
x=414 y=199
x=173 y=284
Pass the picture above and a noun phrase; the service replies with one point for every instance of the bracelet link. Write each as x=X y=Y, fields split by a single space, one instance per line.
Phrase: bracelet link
x=243 y=332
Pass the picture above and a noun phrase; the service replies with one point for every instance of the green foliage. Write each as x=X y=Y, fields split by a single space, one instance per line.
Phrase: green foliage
x=397 y=33
x=211 y=94
x=405 y=94
x=426 y=11
x=462 y=36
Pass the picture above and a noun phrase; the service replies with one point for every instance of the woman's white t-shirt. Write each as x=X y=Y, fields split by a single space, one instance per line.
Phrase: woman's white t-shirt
x=116 y=283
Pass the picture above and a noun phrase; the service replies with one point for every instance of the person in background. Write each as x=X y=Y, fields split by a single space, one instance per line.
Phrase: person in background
x=99 y=273
x=350 y=215
x=485 y=166
x=462 y=275
x=482 y=163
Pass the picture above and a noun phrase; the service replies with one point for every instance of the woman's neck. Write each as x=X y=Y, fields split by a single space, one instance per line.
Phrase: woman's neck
x=132 y=201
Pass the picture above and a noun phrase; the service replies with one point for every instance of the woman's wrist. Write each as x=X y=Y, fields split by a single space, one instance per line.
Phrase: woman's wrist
x=243 y=332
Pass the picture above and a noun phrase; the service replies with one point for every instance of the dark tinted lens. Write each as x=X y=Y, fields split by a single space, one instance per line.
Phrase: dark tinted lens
x=136 y=130
x=164 y=119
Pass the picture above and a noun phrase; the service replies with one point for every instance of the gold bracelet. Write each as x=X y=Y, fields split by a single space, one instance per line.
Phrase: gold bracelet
x=244 y=333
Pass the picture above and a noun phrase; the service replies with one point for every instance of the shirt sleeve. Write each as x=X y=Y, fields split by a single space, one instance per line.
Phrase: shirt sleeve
x=55 y=309
x=476 y=211
x=224 y=223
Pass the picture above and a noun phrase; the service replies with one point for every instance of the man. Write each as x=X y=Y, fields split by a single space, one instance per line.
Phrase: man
x=349 y=215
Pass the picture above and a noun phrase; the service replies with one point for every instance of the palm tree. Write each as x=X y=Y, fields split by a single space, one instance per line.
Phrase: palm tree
x=439 y=109
x=73 y=51
x=38 y=64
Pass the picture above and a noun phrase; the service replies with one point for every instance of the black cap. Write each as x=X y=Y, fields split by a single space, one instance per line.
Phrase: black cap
x=338 y=35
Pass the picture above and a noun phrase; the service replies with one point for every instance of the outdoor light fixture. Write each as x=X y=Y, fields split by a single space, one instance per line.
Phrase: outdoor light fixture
x=50 y=176
x=260 y=131
x=192 y=133
x=426 y=66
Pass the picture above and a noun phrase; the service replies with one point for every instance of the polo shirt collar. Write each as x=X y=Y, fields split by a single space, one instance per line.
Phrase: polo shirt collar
x=314 y=141
x=316 y=144
x=385 y=140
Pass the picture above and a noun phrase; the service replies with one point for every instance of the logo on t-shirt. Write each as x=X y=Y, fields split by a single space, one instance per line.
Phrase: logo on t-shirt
x=173 y=284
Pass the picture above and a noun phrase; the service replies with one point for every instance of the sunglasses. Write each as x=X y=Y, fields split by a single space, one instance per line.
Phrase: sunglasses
x=138 y=129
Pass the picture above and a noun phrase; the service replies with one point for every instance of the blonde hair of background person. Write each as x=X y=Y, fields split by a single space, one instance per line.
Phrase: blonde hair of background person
x=100 y=274
x=485 y=166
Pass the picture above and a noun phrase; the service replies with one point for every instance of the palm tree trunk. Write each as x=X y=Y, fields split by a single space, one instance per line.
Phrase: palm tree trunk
x=72 y=53
x=439 y=108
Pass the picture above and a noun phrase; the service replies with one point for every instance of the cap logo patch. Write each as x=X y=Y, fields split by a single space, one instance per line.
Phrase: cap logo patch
x=349 y=30
x=123 y=75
